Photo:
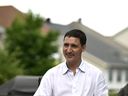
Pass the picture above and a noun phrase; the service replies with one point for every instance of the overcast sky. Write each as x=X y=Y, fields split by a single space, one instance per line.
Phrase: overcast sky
x=107 y=17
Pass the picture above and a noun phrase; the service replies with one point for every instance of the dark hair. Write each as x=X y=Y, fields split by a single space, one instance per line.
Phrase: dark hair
x=78 y=34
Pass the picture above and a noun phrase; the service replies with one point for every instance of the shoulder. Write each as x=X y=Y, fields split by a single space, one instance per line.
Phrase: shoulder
x=94 y=72
x=92 y=69
x=55 y=70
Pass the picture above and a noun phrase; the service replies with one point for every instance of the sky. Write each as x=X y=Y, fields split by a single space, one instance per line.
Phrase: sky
x=106 y=17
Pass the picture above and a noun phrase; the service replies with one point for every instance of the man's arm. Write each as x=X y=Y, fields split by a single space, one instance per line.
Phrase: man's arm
x=101 y=86
x=45 y=87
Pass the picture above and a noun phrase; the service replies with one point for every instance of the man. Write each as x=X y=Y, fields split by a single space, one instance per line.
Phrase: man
x=74 y=77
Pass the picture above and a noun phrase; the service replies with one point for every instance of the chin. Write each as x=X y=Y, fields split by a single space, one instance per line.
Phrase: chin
x=70 y=60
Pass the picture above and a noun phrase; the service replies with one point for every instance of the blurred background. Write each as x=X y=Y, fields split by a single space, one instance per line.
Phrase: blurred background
x=31 y=43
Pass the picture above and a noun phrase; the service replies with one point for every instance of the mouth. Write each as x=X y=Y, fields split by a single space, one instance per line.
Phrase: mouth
x=69 y=55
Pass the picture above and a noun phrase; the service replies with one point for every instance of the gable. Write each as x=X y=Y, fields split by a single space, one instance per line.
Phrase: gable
x=8 y=14
x=122 y=37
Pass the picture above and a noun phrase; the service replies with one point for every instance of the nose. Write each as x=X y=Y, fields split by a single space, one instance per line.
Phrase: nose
x=69 y=49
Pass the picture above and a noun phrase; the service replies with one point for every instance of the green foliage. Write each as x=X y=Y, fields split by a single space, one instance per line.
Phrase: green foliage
x=112 y=93
x=31 y=48
x=8 y=66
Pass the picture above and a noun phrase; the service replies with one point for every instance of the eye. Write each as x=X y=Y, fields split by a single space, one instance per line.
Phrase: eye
x=74 y=46
x=66 y=45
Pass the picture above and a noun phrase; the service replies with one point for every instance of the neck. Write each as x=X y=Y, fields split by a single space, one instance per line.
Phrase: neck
x=73 y=65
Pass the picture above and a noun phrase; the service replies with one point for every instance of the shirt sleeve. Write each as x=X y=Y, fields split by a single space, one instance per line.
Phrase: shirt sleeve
x=45 y=87
x=101 y=86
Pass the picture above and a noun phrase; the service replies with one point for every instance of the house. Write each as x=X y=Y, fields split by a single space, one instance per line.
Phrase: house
x=102 y=52
x=7 y=15
x=122 y=37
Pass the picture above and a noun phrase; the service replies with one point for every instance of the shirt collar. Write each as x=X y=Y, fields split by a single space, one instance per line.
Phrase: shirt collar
x=82 y=67
x=65 y=69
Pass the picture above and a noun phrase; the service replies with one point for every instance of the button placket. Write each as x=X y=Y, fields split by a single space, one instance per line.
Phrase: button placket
x=74 y=86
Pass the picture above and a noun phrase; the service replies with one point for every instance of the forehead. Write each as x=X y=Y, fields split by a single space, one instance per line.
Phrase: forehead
x=71 y=40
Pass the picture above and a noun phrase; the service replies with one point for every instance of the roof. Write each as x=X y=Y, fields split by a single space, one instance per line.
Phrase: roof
x=8 y=14
x=20 y=85
x=98 y=45
x=122 y=37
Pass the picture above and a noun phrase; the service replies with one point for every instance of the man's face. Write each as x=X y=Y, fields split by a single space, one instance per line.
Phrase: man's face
x=72 y=49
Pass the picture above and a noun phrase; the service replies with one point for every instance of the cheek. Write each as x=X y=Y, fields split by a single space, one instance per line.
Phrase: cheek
x=78 y=52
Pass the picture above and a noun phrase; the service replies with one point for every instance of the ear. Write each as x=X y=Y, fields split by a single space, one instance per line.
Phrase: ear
x=84 y=47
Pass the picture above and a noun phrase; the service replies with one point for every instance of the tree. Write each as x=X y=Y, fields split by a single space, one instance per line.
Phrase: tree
x=34 y=50
x=8 y=66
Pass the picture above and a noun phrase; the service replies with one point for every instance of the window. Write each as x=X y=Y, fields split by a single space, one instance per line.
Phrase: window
x=110 y=75
x=119 y=76
x=126 y=74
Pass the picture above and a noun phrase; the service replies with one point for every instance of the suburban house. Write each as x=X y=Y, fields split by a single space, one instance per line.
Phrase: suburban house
x=7 y=16
x=103 y=52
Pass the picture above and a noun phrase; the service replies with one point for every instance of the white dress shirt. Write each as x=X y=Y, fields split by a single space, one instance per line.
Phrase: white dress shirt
x=60 y=81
